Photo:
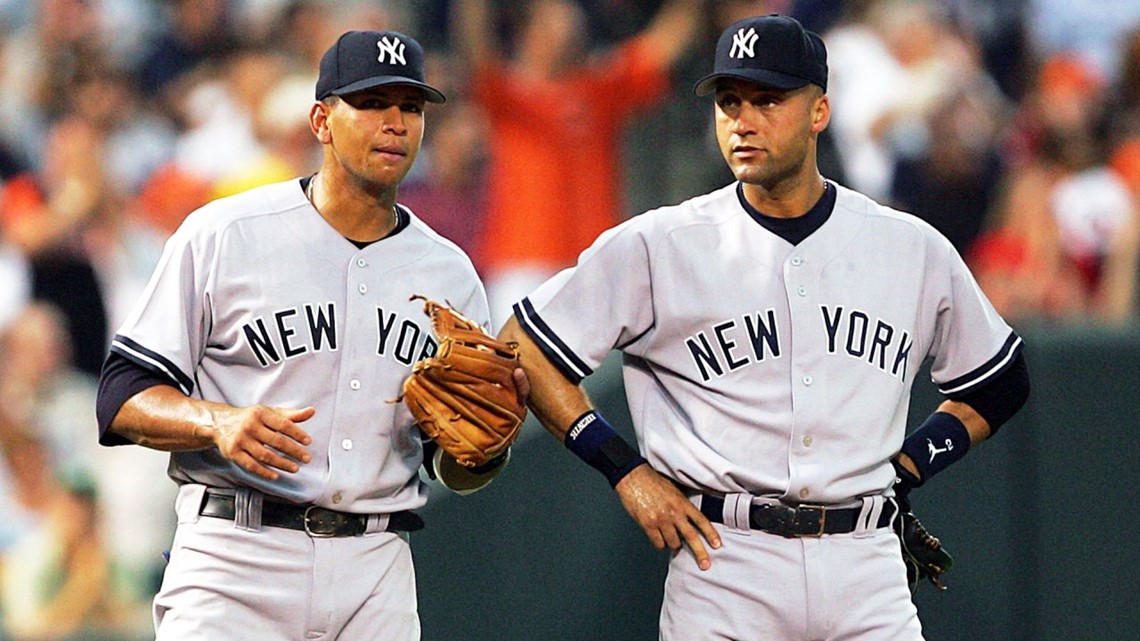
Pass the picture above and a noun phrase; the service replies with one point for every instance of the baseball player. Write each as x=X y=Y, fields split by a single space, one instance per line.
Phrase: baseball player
x=771 y=332
x=264 y=353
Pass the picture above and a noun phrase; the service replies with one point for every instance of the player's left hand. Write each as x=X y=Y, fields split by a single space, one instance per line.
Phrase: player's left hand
x=668 y=518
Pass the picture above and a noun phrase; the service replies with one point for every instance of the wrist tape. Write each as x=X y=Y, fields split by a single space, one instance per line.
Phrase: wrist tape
x=941 y=440
x=595 y=442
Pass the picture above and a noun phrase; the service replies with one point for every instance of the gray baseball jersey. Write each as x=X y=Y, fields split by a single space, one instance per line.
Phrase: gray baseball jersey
x=258 y=300
x=754 y=365
x=766 y=371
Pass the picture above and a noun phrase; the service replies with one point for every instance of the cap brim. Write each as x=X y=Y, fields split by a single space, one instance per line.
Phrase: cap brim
x=775 y=79
x=431 y=94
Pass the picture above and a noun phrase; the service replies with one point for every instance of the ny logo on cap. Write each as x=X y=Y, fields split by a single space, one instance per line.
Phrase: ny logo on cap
x=393 y=48
x=744 y=43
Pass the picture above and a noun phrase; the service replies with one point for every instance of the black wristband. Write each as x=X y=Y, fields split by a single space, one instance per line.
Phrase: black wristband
x=597 y=443
x=940 y=441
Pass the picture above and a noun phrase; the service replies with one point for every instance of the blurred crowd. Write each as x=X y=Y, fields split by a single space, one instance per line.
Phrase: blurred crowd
x=1012 y=126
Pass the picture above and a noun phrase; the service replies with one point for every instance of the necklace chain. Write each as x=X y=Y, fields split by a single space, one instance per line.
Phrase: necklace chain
x=309 y=195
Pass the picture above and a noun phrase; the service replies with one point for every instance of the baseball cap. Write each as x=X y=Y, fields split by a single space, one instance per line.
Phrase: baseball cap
x=771 y=50
x=362 y=60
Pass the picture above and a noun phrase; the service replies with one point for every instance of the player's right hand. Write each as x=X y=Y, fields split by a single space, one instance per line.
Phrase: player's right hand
x=263 y=440
x=667 y=517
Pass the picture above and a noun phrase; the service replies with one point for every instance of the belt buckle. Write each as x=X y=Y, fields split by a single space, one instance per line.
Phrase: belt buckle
x=818 y=512
x=320 y=523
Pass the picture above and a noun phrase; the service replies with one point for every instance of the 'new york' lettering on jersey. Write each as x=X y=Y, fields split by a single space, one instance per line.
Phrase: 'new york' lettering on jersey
x=835 y=315
x=222 y=329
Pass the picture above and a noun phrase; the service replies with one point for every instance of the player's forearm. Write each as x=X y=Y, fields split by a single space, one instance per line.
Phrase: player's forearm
x=163 y=418
x=554 y=400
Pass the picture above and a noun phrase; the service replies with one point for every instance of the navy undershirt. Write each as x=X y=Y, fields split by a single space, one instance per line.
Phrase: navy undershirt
x=793 y=230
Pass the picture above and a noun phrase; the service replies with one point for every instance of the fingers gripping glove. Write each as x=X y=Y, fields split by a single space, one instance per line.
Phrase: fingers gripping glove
x=922 y=552
x=464 y=397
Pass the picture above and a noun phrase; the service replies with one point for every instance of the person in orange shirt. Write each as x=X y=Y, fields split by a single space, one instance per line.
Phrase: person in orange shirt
x=556 y=117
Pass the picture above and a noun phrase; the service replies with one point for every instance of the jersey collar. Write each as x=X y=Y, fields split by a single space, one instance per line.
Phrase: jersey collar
x=793 y=230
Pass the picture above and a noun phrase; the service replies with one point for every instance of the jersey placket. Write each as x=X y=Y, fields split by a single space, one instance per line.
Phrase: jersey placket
x=800 y=282
x=353 y=387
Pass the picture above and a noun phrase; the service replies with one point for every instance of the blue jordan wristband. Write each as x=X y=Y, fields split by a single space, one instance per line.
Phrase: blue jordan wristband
x=595 y=442
x=941 y=440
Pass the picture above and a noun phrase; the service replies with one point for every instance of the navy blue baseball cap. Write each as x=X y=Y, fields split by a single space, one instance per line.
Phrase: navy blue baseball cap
x=771 y=50
x=362 y=60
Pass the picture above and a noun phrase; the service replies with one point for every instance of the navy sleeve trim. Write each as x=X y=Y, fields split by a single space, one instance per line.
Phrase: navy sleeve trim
x=1000 y=398
x=574 y=368
x=988 y=371
x=120 y=379
x=152 y=361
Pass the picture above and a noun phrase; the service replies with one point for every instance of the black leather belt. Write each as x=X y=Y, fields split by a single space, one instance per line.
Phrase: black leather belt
x=317 y=521
x=796 y=521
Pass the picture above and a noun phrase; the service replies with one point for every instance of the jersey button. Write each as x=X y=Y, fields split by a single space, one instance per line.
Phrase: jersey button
x=346 y=444
x=808 y=380
x=802 y=291
x=807 y=441
x=337 y=498
x=797 y=261
x=804 y=493
x=362 y=288
x=354 y=384
x=360 y=262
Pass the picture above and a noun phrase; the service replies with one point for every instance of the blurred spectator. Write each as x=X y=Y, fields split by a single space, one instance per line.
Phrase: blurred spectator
x=58 y=578
x=953 y=181
x=40 y=389
x=45 y=214
x=556 y=116
x=15 y=279
x=195 y=31
x=1123 y=108
x=449 y=193
x=53 y=403
x=1099 y=229
x=40 y=65
x=1092 y=32
x=137 y=138
x=287 y=146
x=217 y=106
x=1064 y=242
x=1125 y=162
x=891 y=65
x=25 y=480
x=1062 y=109
x=1019 y=261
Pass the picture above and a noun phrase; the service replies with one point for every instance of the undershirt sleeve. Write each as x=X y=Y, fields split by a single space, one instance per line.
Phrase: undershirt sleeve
x=120 y=379
x=998 y=400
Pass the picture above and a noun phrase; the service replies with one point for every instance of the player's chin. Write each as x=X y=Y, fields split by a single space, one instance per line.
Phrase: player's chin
x=389 y=174
x=751 y=174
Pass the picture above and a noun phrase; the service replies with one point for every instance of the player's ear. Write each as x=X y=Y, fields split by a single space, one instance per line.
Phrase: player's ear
x=820 y=113
x=318 y=121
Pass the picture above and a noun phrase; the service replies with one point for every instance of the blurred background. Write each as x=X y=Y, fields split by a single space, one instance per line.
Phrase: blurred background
x=1012 y=126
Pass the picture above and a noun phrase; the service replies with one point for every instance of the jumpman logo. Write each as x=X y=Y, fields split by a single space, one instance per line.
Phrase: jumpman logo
x=934 y=451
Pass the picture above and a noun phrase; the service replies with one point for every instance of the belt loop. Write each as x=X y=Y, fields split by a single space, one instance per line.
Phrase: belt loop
x=247 y=509
x=377 y=523
x=868 y=520
x=737 y=510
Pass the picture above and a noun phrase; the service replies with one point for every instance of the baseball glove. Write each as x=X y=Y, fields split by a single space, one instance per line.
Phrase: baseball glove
x=922 y=552
x=464 y=397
